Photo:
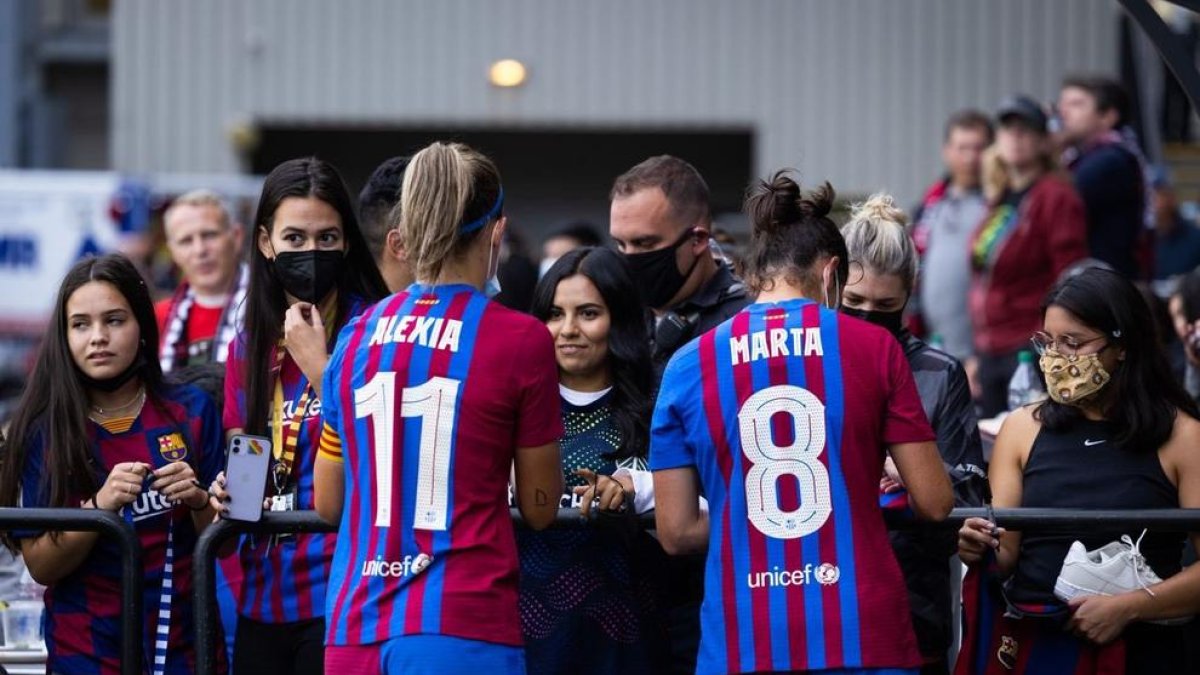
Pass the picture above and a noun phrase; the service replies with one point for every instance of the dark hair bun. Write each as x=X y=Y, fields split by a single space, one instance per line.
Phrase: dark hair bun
x=778 y=203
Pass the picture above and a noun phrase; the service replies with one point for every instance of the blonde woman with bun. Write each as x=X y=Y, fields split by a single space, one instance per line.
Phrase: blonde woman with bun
x=883 y=273
x=784 y=424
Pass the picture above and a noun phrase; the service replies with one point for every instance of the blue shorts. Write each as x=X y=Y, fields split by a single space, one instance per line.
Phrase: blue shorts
x=426 y=655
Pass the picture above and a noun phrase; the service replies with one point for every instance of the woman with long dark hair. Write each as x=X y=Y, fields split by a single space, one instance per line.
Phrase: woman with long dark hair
x=310 y=273
x=589 y=302
x=98 y=428
x=1118 y=432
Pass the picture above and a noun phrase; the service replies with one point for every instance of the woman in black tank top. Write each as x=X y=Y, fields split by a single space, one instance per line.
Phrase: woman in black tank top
x=1117 y=433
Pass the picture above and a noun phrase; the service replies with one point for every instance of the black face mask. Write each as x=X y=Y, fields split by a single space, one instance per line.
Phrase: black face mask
x=309 y=275
x=116 y=381
x=656 y=273
x=892 y=321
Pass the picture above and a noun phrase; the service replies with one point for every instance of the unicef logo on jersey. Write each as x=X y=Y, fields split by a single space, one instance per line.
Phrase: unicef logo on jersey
x=826 y=574
x=409 y=566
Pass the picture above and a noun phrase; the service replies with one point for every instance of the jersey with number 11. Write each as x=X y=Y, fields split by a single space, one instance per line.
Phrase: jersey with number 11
x=427 y=395
x=784 y=411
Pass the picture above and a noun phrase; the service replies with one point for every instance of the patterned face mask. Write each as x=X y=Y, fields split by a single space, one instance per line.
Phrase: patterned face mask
x=1072 y=378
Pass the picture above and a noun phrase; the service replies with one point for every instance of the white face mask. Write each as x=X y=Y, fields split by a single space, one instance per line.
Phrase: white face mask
x=836 y=300
x=491 y=287
x=545 y=265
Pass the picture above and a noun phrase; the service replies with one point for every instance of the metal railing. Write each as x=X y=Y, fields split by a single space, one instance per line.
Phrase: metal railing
x=1044 y=520
x=109 y=525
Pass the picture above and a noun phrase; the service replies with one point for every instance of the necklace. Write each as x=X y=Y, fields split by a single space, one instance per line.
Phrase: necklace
x=138 y=398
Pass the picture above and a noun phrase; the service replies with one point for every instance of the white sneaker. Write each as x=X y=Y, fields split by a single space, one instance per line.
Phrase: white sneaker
x=1117 y=567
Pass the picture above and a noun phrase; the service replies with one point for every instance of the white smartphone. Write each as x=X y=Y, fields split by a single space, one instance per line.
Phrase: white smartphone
x=247 y=462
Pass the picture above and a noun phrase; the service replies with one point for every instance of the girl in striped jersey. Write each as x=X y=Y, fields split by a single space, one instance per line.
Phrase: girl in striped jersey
x=98 y=428
x=310 y=273
x=433 y=396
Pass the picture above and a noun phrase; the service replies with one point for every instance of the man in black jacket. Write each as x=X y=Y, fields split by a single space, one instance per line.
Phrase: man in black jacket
x=1107 y=171
x=660 y=220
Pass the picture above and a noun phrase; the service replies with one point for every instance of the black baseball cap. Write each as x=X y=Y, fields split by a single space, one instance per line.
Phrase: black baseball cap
x=1023 y=109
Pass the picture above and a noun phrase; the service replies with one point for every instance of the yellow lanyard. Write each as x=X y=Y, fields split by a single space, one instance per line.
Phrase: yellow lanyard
x=285 y=436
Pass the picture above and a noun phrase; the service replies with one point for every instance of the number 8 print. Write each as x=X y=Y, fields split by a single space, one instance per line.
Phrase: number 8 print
x=799 y=459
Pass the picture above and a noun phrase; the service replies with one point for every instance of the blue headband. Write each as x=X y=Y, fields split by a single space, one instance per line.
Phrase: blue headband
x=468 y=228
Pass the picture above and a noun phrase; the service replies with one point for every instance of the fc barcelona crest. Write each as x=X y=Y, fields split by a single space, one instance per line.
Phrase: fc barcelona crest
x=171 y=447
x=1007 y=654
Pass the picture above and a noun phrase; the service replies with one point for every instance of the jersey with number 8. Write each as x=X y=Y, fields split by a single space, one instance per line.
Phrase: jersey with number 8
x=427 y=395
x=798 y=460
x=784 y=411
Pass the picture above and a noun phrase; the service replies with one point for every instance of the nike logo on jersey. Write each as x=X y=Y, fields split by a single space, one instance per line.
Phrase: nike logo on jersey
x=775 y=342
x=1089 y=443
x=433 y=332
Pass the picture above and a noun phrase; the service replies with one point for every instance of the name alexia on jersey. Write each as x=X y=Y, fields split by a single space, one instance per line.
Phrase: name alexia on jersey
x=774 y=342
x=433 y=332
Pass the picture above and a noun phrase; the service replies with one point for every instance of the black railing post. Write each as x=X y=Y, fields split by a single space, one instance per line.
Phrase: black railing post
x=132 y=574
x=204 y=574
x=1028 y=519
x=205 y=582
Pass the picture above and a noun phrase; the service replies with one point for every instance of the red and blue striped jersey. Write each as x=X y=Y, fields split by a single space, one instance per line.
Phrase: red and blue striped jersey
x=785 y=411
x=283 y=580
x=83 y=625
x=429 y=393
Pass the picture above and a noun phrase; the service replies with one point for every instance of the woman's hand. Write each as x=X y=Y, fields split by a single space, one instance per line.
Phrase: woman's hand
x=218 y=498
x=891 y=481
x=177 y=482
x=605 y=492
x=123 y=485
x=1100 y=619
x=976 y=536
x=304 y=339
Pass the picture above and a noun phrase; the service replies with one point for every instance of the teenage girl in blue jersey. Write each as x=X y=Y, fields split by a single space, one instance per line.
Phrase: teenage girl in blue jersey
x=98 y=428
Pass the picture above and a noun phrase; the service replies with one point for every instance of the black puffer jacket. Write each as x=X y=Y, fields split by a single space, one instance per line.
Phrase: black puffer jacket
x=924 y=555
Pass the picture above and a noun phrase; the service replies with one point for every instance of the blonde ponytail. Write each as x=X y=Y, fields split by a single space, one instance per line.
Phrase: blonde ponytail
x=876 y=239
x=440 y=185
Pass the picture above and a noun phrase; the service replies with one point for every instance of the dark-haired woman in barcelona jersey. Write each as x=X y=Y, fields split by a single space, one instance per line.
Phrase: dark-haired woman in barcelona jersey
x=310 y=274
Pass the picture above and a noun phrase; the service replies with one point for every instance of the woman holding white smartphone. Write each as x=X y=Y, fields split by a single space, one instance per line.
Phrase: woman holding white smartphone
x=310 y=274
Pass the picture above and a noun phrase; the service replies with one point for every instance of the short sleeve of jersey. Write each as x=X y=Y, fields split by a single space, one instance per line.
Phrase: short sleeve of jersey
x=234 y=415
x=539 y=417
x=669 y=448
x=331 y=403
x=33 y=494
x=905 y=421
